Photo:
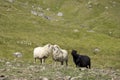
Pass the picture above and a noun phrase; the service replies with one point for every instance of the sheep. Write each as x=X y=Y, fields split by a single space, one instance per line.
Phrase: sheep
x=42 y=52
x=60 y=55
x=81 y=60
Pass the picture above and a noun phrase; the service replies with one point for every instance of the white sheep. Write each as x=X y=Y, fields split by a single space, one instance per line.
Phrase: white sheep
x=60 y=55
x=42 y=52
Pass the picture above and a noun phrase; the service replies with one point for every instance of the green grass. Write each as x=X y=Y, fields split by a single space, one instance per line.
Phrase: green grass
x=22 y=31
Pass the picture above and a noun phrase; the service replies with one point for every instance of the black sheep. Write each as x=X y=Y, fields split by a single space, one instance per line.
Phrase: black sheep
x=81 y=60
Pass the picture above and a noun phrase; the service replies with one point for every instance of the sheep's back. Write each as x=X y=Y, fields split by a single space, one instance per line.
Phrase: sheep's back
x=65 y=53
x=38 y=52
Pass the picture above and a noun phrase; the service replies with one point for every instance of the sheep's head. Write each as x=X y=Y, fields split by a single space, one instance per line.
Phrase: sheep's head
x=49 y=47
x=74 y=52
x=55 y=50
x=56 y=46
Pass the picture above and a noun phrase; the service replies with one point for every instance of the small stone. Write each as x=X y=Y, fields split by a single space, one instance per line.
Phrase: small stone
x=3 y=77
x=43 y=78
x=11 y=1
x=60 y=14
x=67 y=77
x=17 y=54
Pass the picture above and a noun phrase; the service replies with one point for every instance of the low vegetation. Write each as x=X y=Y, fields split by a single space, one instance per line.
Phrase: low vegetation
x=84 y=25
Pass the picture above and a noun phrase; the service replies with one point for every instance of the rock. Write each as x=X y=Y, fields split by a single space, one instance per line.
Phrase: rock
x=43 y=78
x=3 y=77
x=60 y=14
x=67 y=77
x=11 y=1
x=76 y=30
x=48 y=9
x=76 y=78
x=96 y=50
x=91 y=31
x=59 y=78
x=34 y=13
x=7 y=63
x=17 y=54
x=83 y=69
x=41 y=14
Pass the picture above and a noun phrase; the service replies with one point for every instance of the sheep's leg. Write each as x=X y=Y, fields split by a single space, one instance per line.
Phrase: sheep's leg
x=86 y=66
x=43 y=61
x=40 y=60
x=35 y=60
x=66 y=62
x=61 y=62
x=90 y=66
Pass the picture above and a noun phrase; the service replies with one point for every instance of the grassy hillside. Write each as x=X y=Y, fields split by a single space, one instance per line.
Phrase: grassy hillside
x=82 y=25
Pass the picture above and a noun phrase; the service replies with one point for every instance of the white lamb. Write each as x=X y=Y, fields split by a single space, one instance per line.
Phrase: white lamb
x=42 y=52
x=60 y=55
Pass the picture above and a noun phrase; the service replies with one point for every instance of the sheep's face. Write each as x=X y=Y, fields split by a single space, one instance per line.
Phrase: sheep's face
x=55 y=50
x=73 y=52
x=56 y=46
x=49 y=47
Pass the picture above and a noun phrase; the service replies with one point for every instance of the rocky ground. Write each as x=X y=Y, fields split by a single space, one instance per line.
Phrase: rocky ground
x=19 y=70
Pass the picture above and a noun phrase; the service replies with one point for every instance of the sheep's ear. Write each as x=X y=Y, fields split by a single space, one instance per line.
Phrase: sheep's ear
x=48 y=45
x=75 y=51
x=58 y=47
